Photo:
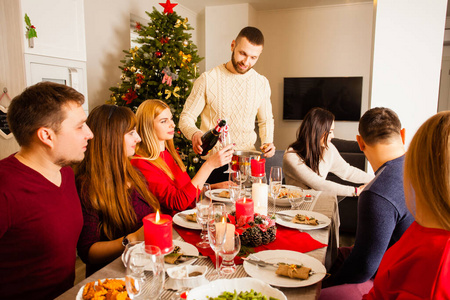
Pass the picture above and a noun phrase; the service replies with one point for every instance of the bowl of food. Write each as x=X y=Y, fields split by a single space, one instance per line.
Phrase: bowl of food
x=188 y=276
x=288 y=193
x=228 y=287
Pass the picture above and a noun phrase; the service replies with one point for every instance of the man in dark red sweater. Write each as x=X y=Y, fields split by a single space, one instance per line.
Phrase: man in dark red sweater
x=40 y=212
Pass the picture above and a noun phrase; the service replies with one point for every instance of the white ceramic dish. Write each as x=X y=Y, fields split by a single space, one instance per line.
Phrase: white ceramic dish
x=285 y=201
x=186 y=248
x=324 y=221
x=177 y=282
x=214 y=194
x=267 y=274
x=80 y=292
x=181 y=221
x=217 y=287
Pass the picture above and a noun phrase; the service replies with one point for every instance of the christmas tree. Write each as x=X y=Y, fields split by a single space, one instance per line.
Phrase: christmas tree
x=163 y=67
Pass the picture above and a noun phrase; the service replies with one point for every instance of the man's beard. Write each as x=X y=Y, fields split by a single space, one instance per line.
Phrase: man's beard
x=236 y=65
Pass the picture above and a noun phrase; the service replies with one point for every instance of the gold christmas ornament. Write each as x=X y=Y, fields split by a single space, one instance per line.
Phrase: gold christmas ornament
x=133 y=51
x=169 y=92
x=185 y=43
x=133 y=69
x=179 y=23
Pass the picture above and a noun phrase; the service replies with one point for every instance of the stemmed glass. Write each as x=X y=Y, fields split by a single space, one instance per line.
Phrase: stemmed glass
x=235 y=192
x=276 y=178
x=203 y=204
x=217 y=229
x=145 y=258
x=239 y=178
x=228 y=251
x=225 y=139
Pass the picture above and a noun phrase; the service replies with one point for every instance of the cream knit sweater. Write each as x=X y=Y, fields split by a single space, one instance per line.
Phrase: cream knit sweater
x=238 y=98
x=299 y=174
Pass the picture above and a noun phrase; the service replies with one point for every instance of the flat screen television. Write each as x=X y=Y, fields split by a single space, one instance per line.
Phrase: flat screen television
x=340 y=95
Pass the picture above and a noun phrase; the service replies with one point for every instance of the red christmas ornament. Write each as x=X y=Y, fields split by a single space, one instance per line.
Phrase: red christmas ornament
x=130 y=96
x=164 y=40
x=158 y=54
x=138 y=26
x=168 y=7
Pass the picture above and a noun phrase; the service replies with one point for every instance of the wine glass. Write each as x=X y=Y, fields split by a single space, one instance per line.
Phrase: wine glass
x=235 y=192
x=276 y=178
x=203 y=205
x=217 y=228
x=145 y=258
x=228 y=251
x=225 y=139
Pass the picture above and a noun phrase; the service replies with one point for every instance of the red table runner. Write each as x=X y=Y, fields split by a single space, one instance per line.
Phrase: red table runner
x=286 y=239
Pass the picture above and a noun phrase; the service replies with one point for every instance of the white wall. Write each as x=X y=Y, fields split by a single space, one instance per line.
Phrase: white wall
x=222 y=25
x=108 y=33
x=315 y=42
x=408 y=42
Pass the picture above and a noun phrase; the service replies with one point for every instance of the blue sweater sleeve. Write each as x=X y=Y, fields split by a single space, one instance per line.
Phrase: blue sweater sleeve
x=377 y=219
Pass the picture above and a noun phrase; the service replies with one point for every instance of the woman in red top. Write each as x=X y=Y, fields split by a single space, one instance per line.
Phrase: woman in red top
x=418 y=265
x=160 y=163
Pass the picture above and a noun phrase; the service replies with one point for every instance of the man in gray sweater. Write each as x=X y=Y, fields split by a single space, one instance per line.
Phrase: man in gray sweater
x=382 y=213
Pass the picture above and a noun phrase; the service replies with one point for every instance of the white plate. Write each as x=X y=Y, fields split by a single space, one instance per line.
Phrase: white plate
x=80 y=292
x=213 y=194
x=324 y=221
x=285 y=201
x=267 y=274
x=186 y=248
x=181 y=221
x=217 y=287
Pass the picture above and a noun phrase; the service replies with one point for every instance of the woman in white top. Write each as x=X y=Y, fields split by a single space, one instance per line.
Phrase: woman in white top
x=308 y=160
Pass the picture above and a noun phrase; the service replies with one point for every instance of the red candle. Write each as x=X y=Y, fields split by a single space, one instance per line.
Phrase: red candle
x=244 y=207
x=158 y=231
x=258 y=167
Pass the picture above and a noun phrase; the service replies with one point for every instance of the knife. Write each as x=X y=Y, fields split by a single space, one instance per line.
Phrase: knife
x=260 y=263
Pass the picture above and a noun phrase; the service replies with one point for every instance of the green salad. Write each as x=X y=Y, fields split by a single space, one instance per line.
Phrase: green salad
x=252 y=295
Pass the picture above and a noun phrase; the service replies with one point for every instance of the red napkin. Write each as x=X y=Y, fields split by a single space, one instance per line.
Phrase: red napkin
x=287 y=239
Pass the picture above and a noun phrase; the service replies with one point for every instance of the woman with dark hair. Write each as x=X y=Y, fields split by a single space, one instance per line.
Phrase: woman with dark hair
x=114 y=195
x=308 y=160
x=161 y=165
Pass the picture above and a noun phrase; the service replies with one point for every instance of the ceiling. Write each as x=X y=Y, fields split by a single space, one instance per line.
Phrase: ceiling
x=198 y=5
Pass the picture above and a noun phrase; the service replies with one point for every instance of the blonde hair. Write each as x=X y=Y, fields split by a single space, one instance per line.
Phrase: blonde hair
x=106 y=178
x=149 y=147
x=427 y=172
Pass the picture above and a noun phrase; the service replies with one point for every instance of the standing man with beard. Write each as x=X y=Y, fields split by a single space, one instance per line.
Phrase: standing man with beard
x=235 y=92
x=40 y=212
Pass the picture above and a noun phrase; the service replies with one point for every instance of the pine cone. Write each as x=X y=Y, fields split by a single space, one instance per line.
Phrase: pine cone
x=255 y=236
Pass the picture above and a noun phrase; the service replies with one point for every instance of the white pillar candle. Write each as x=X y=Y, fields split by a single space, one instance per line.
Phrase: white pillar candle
x=260 y=196
x=220 y=231
x=229 y=239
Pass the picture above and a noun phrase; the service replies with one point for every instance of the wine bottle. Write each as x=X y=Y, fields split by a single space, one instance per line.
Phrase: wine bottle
x=210 y=138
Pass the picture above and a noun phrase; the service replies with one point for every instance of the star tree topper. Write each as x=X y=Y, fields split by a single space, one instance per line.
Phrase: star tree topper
x=168 y=7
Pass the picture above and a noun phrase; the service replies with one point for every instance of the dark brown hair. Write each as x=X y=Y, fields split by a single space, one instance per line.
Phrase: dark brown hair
x=252 y=34
x=106 y=178
x=40 y=105
x=314 y=129
x=379 y=125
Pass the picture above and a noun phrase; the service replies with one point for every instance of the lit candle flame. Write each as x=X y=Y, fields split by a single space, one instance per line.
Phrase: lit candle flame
x=244 y=200
x=157 y=216
x=258 y=158
x=224 y=220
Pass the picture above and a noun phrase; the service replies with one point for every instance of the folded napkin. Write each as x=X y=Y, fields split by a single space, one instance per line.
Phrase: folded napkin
x=287 y=239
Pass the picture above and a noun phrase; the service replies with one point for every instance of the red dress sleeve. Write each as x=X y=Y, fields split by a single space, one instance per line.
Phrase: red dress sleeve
x=173 y=195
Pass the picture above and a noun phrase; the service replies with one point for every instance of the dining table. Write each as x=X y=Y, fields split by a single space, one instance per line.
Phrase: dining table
x=323 y=202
